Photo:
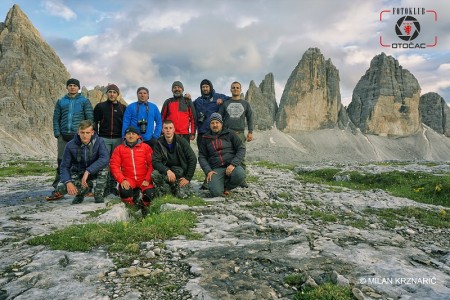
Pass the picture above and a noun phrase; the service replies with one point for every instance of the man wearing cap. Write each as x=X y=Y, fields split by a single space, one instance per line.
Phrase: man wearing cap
x=220 y=155
x=108 y=118
x=144 y=116
x=181 y=111
x=131 y=166
x=69 y=111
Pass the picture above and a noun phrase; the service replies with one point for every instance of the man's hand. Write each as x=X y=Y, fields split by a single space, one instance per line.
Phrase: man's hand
x=187 y=96
x=219 y=101
x=210 y=175
x=249 y=137
x=229 y=170
x=125 y=184
x=171 y=176
x=183 y=182
x=71 y=189
x=145 y=183
x=84 y=180
x=192 y=137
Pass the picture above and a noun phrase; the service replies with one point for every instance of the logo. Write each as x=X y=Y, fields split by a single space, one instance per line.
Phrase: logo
x=408 y=28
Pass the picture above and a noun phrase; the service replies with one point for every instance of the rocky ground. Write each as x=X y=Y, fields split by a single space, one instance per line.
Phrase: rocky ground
x=251 y=241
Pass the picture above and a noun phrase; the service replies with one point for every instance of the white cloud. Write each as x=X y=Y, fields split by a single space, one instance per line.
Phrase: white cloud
x=57 y=8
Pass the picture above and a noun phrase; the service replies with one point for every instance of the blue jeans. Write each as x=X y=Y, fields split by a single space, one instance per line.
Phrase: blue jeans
x=221 y=182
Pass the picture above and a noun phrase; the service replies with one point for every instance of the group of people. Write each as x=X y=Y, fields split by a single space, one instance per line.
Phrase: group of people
x=138 y=152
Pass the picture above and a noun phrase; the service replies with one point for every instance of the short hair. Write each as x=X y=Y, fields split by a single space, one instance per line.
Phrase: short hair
x=167 y=122
x=237 y=83
x=85 y=124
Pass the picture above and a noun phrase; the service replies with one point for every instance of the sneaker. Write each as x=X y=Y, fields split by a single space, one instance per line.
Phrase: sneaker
x=54 y=196
x=78 y=199
x=226 y=193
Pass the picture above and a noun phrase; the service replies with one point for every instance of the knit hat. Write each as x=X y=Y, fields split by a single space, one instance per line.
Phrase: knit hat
x=112 y=87
x=131 y=129
x=178 y=83
x=142 y=88
x=215 y=116
x=73 y=81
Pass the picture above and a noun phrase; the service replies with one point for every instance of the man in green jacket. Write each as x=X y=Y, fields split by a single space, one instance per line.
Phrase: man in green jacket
x=174 y=163
x=69 y=111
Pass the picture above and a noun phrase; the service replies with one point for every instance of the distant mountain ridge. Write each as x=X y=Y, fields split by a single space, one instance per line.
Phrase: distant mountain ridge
x=386 y=101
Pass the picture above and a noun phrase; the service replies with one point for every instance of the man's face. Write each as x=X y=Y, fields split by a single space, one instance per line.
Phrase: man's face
x=206 y=89
x=142 y=95
x=216 y=126
x=86 y=135
x=112 y=95
x=131 y=137
x=177 y=91
x=72 y=89
x=235 y=89
x=168 y=130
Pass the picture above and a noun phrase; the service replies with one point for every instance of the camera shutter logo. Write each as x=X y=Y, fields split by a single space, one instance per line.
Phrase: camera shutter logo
x=407 y=28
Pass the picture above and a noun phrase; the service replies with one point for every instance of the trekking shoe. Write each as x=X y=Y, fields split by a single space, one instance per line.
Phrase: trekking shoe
x=226 y=193
x=244 y=184
x=54 y=196
x=78 y=199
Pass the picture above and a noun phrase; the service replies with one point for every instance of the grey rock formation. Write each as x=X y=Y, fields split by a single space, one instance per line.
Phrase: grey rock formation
x=32 y=78
x=98 y=94
x=386 y=99
x=311 y=98
x=263 y=102
x=435 y=113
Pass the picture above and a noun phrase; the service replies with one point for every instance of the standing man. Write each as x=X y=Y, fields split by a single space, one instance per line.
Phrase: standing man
x=84 y=160
x=69 y=111
x=220 y=155
x=235 y=112
x=131 y=166
x=108 y=120
x=208 y=103
x=174 y=162
x=144 y=116
x=181 y=111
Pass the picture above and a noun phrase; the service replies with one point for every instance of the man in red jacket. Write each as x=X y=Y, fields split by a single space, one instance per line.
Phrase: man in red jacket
x=131 y=166
x=181 y=111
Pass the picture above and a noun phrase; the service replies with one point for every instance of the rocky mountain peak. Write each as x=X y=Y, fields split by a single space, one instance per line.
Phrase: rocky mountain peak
x=32 y=78
x=311 y=99
x=385 y=101
x=263 y=102
x=435 y=113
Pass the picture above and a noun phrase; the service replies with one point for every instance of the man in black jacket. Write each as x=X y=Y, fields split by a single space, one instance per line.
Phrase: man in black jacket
x=108 y=118
x=220 y=155
x=174 y=163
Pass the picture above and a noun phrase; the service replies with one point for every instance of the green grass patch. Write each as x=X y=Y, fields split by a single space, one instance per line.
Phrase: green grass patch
x=326 y=217
x=325 y=291
x=284 y=195
x=126 y=236
x=360 y=223
x=252 y=179
x=26 y=168
x=417 y=186
x=395 y=217
x=274 y=205
x=273 y=165
x=95 y=213
x=312 y=202
x=199 y=175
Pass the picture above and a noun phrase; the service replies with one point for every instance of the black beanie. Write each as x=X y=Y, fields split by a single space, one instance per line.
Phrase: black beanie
x=131 y=129
x=73 y=81
x=207 y=82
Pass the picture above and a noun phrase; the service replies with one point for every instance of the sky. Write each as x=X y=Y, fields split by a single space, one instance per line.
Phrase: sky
x=152 y=43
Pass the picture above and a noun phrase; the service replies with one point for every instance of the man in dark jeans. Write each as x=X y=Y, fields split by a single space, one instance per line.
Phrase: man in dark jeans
x=108 y=118
x=69 y=111
x=174 y=162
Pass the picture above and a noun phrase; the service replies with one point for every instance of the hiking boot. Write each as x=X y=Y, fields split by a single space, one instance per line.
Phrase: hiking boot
x=78 y=199
x=54 y=196
x=226 y=193
x=244 y=184
x=144 y=211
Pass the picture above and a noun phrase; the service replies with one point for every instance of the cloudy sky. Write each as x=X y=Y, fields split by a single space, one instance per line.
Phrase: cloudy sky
x=152 y=43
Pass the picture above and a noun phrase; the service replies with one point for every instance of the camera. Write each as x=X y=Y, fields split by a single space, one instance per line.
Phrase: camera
x=142 y=125
x=201 y=117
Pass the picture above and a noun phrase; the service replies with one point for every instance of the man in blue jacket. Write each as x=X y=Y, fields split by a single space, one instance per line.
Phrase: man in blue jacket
x=69 y=111
x=220 y=155
x=145 y=116
x=85 y=159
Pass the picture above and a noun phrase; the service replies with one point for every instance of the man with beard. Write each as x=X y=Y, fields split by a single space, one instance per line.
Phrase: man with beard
x=220 y=155
x=181 y=111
